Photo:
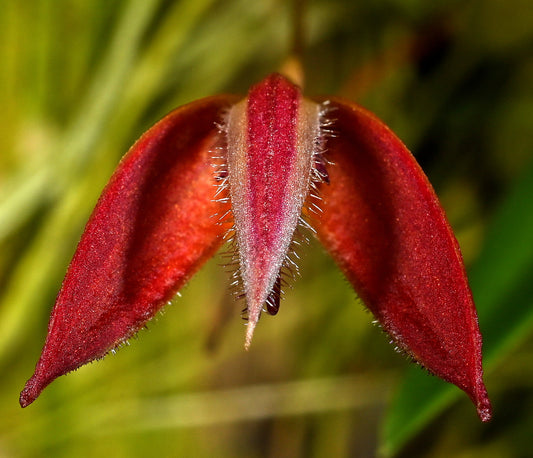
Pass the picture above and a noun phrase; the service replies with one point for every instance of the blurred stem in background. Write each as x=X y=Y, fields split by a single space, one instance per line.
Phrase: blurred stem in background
x=80 y=82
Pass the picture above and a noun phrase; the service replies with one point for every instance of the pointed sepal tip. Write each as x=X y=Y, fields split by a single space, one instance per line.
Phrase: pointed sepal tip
x=31 y=392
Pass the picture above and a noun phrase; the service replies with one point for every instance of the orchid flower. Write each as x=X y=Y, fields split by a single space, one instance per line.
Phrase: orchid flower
x=255 y=169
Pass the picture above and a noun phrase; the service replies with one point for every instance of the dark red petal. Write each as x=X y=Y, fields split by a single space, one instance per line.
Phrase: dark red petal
x=384 y=226
x=152 y=229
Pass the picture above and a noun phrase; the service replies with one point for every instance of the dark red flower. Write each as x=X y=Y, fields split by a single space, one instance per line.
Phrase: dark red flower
x=281 y=160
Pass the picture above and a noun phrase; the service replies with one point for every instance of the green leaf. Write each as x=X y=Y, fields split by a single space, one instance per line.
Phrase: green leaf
x=503 y=299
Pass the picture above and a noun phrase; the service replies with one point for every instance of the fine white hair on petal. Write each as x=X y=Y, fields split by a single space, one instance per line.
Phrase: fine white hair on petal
x=300 y=199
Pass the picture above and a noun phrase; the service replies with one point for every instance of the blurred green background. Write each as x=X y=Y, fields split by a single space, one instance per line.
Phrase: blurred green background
x=81 y=80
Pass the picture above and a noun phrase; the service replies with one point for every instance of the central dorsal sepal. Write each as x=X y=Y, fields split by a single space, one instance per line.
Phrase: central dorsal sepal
x=273 y=136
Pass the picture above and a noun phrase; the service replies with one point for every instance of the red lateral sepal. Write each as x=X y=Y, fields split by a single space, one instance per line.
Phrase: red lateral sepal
x=384 y=226
x=153 y=227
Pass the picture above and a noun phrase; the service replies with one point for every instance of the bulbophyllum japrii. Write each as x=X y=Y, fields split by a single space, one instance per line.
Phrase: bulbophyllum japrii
x=256 y=168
